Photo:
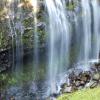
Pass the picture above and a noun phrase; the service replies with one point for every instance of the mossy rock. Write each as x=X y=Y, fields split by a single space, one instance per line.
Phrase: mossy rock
x=71 y=6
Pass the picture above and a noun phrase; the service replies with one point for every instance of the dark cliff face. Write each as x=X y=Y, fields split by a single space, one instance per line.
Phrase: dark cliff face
x=5 y=62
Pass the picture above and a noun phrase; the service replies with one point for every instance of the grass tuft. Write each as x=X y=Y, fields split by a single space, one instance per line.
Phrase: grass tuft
x=85 y=94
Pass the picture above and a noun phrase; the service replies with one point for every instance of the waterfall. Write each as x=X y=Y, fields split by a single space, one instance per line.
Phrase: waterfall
x=16 y=32
x=59 y=40
x=15 y=18
x=11 y=33
x=72 y=36
x=96 y=30
x=19 y=42
x=86 y=19
x=90 y=18
x=87 y=31
x=36 y=37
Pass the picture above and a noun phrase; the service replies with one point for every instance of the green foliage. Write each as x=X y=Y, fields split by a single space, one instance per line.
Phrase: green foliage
x=3 y=77
x=12 y=81
x=6 y=80
x=28 y=22
x=86 y=94
x=42 y=36
x=4 y=38
x=28 y=38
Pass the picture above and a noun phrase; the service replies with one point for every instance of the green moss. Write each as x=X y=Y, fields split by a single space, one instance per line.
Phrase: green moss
x=86 y=94
x=71 y=6
x=7 y=80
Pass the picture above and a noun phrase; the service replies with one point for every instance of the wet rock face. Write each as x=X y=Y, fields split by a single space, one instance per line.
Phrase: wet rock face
x=97 y=66
x=4 y=61
x=96 y=76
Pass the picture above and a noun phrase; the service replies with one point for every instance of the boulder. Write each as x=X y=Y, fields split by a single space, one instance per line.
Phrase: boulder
x=97 y=66
x=67 y=89
x=12 y=98
x=54 y=95
x=96 y=76
x=64 y=85
x=94 y=84
x=85 y=76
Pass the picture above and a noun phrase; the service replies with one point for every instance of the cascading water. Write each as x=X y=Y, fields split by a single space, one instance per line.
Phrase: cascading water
x=59 y=40
x=88 y=31
x=91 y=43
x=86 y=18
x=36 y=38
x=83 y=33
x=19 y=41
x=16 y=32
x=11 y=32
x=96 y=30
